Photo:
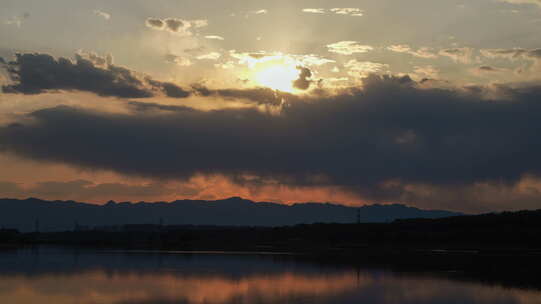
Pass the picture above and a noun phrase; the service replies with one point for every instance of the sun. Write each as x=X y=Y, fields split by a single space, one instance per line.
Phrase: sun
x=277 y=76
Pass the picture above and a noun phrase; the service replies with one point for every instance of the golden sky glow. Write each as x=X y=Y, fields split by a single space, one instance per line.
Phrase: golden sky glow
x=277 y=76
x=349 y=102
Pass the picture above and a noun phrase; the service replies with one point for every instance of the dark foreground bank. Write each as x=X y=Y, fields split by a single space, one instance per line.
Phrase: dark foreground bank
x=495 y=246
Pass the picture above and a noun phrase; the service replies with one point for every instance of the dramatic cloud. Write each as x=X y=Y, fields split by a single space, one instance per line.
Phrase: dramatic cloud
x=348 y=47
x=260 y=96
x=170 y=89
x=199 y=84
x=304 y=81
x=421 y=53
x=383 y=141
x=175 y=25
x=38 y=73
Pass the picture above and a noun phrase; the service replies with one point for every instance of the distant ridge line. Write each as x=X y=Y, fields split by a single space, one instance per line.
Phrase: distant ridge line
x=235 y=211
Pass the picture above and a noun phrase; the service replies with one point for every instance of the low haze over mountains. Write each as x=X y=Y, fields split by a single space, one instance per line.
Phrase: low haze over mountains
x=32 y=214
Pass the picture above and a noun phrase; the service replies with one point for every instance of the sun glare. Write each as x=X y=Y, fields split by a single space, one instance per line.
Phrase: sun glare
x=277 y=76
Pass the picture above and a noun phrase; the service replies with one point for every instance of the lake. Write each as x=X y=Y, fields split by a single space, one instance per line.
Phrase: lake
x=61 y=276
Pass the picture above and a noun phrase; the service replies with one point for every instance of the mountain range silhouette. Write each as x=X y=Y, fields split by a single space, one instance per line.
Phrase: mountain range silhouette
x=35 y=214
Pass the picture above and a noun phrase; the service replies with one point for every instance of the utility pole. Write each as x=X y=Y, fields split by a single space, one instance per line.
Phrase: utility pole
x=36 y=225
x=358 y=215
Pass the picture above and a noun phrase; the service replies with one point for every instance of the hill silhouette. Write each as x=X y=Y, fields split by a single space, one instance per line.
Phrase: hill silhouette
x=35 y=214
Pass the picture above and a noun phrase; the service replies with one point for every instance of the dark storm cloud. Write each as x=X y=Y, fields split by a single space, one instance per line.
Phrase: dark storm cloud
x=38 y=73
x=170 y=89
x=389 y=130
x=264 y=96
x=149 y=106
x=303 y=83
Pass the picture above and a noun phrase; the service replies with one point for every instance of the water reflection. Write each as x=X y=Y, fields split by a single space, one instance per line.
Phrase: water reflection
x=54 y=276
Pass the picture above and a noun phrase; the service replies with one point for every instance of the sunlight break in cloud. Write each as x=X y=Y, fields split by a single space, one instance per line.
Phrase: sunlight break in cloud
x=348 y=47
x=250 y=59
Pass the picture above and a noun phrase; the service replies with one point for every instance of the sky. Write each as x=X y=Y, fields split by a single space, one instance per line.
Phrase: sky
x=433 y=104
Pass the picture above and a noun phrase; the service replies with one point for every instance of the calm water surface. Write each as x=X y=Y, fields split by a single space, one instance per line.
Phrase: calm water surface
x=49 y=275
